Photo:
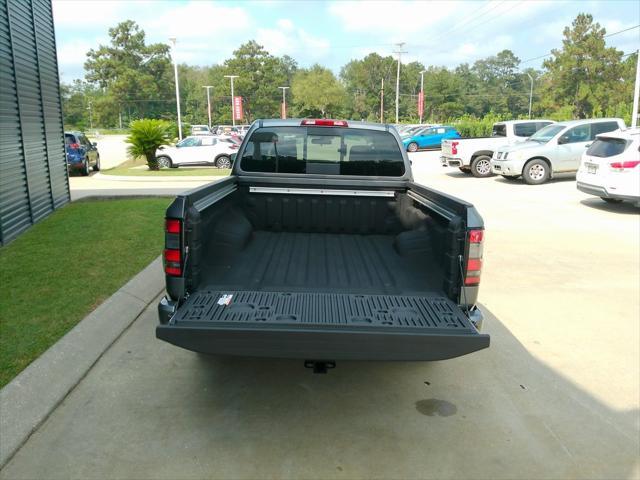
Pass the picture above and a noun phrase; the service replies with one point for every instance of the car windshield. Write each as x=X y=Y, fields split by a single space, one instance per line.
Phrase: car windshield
x=325 y=151
x=547 y=133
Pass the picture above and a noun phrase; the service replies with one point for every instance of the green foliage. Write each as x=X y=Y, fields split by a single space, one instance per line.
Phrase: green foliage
x=317 y=92
x=145 y=137
x=471 y=126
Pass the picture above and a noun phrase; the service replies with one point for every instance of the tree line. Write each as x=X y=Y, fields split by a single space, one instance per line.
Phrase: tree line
x=129 y=79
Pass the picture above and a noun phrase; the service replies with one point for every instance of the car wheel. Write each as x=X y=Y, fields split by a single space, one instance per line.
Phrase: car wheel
x=536 y=172
x=611 y=200
x=86 y=169
x=481 y=166
x=412 y=147
x=511 y=177
x=223 y=162
x=466 y=170
x=96 y=167
x=164 y=162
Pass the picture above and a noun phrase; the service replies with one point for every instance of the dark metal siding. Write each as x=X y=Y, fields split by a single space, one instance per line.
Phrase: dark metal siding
x=33 y=174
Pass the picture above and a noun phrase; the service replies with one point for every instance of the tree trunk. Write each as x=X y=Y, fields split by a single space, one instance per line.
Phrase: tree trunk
x=152 y=162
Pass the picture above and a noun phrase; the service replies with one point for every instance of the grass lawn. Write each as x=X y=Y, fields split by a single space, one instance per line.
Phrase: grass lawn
x=61 y=269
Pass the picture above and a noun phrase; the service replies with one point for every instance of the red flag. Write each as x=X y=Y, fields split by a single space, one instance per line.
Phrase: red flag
x=237 y=108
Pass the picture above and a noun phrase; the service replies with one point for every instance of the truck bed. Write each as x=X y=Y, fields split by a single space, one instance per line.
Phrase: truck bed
x=304 y=262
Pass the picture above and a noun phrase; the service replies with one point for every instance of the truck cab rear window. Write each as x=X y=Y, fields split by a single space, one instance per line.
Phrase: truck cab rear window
x=325 y=151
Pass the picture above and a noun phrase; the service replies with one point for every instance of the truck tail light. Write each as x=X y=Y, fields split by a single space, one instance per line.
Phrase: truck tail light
x=474 y=259
x=454 y=148
x=324 y=122
x=620 y=166
x=74 y=146
x=173 y=251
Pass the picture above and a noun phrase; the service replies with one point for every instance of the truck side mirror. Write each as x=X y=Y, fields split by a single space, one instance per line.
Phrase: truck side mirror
x=563 y=139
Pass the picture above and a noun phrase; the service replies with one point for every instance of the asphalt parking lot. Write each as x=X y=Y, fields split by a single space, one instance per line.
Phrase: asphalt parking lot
x=555 y=396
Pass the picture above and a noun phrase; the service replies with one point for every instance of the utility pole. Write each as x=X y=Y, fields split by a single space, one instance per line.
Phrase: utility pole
x=636 y=94
x=421 y=106
x=382 y=102
x=399 y=52
x=120 y=119
x=90 y=116
x=530 y=94
x=283 y=113
x=208 y=87
x=233 y=117
x=175 y=73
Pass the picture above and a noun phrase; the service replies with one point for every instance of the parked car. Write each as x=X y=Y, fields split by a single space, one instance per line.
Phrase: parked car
x=556 y=148
x=610 y=168
x=429 y=137
x=82 y=155
x=321 y=247
x=197 y=150
x=473 y=155
x=200 y=130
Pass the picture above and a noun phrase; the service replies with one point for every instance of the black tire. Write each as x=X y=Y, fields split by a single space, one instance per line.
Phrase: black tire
x=511 y=178
x=412 y=147
x=481 y=166
x=86 y=169
x=223 y=161
x=611 y=200
x=536 y=172
x=96 y=167
x=466 y=170
x=164 y=162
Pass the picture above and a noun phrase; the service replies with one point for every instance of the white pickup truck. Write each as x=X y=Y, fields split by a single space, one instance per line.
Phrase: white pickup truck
x=473 y=155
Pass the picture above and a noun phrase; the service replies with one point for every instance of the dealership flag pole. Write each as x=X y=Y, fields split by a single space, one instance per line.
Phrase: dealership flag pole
x=233 y=113
x=208 y=87
x=175 y=72
x=636 y=93
x=399 y=52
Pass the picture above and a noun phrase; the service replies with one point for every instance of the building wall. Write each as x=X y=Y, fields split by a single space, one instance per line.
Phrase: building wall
x=33 y=173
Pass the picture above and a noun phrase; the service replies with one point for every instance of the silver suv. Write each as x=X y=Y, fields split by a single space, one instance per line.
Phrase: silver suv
x=557 y=148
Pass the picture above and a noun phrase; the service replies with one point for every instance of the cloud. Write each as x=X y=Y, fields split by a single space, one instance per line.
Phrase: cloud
x=289 y=40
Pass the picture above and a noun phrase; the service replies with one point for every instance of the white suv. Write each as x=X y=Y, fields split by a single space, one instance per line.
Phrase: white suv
x=610 y=168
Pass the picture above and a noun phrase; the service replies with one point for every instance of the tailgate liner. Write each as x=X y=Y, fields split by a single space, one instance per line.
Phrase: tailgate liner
x=323 y=326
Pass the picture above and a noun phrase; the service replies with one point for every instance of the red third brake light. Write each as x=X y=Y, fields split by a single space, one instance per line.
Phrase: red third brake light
x=454 y=148
x=74 y=146
x=324 y=122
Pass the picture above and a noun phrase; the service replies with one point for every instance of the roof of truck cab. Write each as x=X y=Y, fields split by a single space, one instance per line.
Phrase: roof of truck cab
x=297 y=122
x=572 y=123
x=513 y=122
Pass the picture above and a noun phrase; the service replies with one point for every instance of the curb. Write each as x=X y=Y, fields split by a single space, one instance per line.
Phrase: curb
x=27 y=401
x=175 y=178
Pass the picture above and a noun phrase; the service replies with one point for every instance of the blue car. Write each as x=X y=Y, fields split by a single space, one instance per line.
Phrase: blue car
x=82 y=155
x=429 y=137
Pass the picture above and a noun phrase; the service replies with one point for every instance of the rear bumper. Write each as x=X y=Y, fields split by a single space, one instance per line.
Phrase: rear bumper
x=451 y=162
x=600 y=191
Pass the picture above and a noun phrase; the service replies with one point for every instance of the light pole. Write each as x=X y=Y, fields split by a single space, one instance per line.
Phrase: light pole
x=233 y=117
x=175 y=71
x=283 y=114
x=208 y=87
x=422 y=94
x=636 y=94
x=530 y=94
x=90 y=116
x=399 y=52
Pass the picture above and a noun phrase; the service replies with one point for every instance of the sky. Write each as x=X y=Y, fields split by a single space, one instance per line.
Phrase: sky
x=332 y=33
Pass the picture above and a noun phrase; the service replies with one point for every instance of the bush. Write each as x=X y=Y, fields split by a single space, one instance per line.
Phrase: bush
x=145 y=137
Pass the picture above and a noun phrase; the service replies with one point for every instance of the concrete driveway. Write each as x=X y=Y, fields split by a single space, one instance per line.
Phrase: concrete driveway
x=555 y=396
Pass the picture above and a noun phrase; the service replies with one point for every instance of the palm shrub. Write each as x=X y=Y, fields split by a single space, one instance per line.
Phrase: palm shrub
x=145 y=137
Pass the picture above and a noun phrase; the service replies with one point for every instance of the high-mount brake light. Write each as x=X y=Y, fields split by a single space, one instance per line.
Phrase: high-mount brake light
x=172 y=251
x=624 y=165
x=324 y=122
x=474 y=259
x=74 y=146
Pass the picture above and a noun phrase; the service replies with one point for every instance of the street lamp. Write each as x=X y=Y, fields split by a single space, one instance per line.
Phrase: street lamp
x=530 y=94
x=421 y=94
x=175 y=71
x=208 y=87
x=283 y=114
x=233 y=117
x=90 y=116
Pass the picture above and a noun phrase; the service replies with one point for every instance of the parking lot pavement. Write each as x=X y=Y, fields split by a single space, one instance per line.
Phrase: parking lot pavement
x=555 y=396
x=112 y=149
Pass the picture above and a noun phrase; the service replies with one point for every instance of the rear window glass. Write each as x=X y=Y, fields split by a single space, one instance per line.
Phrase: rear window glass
x=525 y=129
x=69 y=139
x=323 y=150
x=499 y=130
x=607 y=147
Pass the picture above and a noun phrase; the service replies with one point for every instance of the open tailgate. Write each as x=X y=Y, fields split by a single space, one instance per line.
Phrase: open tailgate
x=322 y=326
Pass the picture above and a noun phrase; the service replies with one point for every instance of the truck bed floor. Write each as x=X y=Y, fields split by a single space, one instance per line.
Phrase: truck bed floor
x=338 y=263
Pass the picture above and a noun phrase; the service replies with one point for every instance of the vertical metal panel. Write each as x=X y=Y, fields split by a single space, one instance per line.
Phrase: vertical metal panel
x=33 y=172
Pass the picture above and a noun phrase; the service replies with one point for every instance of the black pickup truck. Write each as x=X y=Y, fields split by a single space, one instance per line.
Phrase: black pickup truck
x=321 y=247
